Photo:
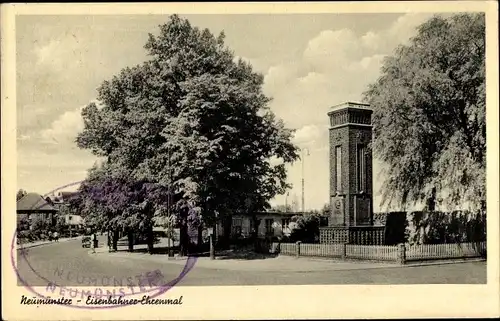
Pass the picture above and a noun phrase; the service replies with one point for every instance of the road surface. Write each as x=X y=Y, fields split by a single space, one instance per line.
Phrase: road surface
x=68 y=264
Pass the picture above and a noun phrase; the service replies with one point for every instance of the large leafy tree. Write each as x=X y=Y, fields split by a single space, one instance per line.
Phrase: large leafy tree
x=429 y=115
x=112 y=200
x=195 y=119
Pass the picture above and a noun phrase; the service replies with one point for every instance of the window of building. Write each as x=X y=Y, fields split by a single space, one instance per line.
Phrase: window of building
x=237 y=226
x=338 y=168
x=269 y=226
x=361 y=168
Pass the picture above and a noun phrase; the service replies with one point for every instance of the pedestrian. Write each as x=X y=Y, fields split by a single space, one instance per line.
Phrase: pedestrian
x=94 y=243
x=56 y=236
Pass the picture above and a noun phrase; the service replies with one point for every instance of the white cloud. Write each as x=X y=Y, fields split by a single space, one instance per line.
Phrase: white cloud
x=66 y=127
x=309 y=134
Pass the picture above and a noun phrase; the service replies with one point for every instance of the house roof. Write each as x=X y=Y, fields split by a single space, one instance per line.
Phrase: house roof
x=33 y=202
x=279 y=213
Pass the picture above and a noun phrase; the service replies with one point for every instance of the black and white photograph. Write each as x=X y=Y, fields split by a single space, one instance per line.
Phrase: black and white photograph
x=158 y=153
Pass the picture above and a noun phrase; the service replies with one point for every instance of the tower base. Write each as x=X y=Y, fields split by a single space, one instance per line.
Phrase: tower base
x=361 y=235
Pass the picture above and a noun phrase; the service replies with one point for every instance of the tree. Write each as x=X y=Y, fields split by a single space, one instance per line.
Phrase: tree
x=20 y=194
x=429 y=115
x=305 y=228
x=194 y=119
x=325 y=210
x=112 y=200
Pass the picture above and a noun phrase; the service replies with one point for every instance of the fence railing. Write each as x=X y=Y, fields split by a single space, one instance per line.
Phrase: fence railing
x=401 y=253
x=372 y=252
x=445 y=251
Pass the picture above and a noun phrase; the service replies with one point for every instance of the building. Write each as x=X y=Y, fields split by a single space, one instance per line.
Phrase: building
x=62 y=198
x=75 y=221
x=33 y=207
x=270 y=224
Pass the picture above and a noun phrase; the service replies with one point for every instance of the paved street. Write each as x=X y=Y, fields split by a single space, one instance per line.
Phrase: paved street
x=68 y=264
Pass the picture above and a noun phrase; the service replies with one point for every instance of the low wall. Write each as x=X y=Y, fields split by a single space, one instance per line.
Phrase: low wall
x=361 y=235
x=401 y=253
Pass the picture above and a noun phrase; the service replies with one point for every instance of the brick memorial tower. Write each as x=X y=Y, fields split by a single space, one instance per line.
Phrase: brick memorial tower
x=351 y=195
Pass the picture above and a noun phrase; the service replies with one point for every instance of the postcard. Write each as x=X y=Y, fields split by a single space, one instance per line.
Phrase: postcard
x=250 y=160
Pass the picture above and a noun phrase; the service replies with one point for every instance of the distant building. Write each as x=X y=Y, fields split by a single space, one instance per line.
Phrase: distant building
x=33 y=206
x=62 y=198
x=73 y=220
x=270 y=224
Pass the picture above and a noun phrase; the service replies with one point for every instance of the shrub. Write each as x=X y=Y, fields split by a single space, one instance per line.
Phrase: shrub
x=305 y=229
x=442 y=227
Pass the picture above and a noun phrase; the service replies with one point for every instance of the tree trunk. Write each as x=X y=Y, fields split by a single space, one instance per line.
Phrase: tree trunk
x=200 y=237
x=130 y=236
x=115 y=239
x=151 y=240
x=431 y=201
x=183 y=240
x=255 y=233
x=226 y=238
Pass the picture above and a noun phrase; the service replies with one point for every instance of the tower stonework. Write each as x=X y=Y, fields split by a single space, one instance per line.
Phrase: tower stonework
x=351 y=195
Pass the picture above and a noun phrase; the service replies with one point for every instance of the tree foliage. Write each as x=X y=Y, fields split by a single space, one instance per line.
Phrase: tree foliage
x=305 y=228
x=192 y=118
x=429 y=114
x=20 y=194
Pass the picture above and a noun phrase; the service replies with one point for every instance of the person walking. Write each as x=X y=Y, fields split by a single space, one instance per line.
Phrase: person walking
x=94 y=243
x=55 y=235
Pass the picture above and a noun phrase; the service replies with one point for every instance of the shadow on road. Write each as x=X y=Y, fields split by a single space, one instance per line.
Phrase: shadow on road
x=220 y=254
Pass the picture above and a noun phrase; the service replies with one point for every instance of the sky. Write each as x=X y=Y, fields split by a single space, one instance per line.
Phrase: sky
x=310 y=62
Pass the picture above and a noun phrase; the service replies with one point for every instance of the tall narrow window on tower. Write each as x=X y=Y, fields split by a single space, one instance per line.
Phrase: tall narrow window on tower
x=361 y=168
x=338 y=168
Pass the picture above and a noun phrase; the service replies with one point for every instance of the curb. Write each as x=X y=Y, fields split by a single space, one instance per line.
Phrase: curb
x=369 y=265
x=391 y=265
x=160 y=259
x=29 y=246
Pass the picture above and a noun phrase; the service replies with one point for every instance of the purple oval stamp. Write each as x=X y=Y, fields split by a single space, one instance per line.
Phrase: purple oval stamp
x=88 y=288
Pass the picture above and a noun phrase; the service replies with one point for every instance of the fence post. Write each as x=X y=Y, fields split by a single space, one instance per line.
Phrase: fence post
x=297 y=248
x=402 y=253
x=344 y=250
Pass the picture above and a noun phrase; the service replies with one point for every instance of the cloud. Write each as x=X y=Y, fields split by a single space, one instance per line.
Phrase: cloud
x=66 y=127
x=399 y=33
x=309 y=135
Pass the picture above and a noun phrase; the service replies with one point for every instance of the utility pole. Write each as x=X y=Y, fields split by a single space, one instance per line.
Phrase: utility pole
x=286 y=201
x=302 y=160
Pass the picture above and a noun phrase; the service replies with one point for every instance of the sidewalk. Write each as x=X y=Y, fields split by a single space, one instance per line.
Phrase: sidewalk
x=40 y=243
x=271 y=264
